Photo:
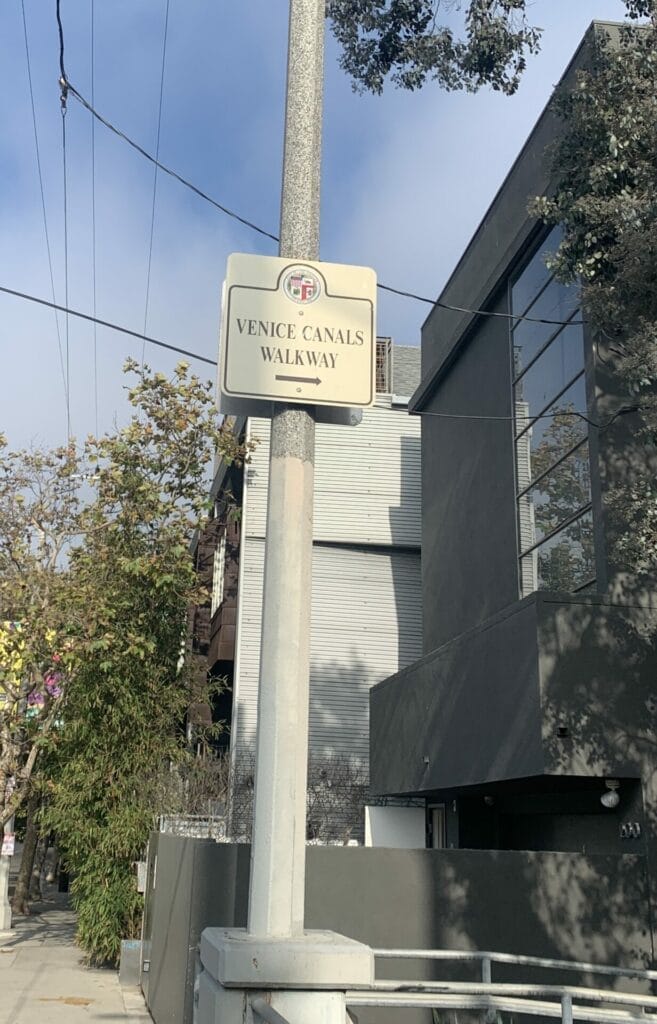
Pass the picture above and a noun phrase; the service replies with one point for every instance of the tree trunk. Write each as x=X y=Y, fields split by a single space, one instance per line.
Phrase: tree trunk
x=37 y=871
x=21 y=901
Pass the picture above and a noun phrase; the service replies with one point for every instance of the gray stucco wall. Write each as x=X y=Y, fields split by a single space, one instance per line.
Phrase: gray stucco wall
x=467 y=713
x=557 y=905
x=556 y=684
x=469 y=545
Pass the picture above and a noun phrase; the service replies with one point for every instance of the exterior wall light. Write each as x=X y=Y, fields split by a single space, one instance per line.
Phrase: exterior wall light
x=611 y=799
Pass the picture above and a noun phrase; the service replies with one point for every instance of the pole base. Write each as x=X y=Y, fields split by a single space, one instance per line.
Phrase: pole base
x=314 y=960
x=215 y=1004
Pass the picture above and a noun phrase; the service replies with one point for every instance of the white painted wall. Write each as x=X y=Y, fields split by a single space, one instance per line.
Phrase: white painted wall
x=366 y=599
x=397 y=828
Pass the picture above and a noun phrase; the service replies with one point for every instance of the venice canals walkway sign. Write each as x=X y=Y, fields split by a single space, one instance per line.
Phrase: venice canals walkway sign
x=298 y=332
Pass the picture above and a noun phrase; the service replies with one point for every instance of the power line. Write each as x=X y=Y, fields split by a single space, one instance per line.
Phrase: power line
x=268 y=234
x=60 y=28
x=66 y=321
x=43 y=200
x=93 y=214
x=157 y=157
x=63 y=96
x=572 y=413
x=107 y=323
x=479 y=312
x=167 y=170
x=623 y=411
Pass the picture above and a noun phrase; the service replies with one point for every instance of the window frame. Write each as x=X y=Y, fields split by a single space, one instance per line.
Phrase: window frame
x=529 y=421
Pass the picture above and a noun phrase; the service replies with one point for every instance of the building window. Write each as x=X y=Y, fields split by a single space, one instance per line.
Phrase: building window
x=555 y=525
x=218 y=574
x=383 y=366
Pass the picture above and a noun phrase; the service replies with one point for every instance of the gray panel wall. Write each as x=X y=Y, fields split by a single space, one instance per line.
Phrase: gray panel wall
x=469 y=545
x=556 y=684
x=465 y=714
x=557 y=905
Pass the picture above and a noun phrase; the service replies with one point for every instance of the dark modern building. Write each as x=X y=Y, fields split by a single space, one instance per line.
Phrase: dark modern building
x=530 y=722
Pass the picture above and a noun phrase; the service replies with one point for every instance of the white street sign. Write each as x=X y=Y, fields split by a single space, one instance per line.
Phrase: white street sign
x=298 y=331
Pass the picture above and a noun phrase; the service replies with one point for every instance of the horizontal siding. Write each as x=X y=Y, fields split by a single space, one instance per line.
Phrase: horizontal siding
x=366 y=625
x=367 y=480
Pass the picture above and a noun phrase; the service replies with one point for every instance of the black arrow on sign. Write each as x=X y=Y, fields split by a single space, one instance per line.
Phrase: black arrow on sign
x=299 y=380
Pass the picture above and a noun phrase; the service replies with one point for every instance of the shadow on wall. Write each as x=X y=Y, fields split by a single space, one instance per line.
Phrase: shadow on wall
x=338 y=777
x=563 y=906
x=598 y=669
x=405 y=530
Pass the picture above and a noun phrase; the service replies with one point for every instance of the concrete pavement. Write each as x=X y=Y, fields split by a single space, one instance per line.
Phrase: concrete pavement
x=43 y=979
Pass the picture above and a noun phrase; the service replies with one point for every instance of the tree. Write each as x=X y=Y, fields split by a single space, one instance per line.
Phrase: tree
x=39 y=508
x=605 y=198
x=401 y=40
x=132 y=580
x=96 y=576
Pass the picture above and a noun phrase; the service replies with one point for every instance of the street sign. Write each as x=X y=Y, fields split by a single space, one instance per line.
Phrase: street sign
x=8 y=844
x=298 y=332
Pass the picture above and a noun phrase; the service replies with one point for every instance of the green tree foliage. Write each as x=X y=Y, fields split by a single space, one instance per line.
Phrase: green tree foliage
x=132 y=580
x=605 y=197
x=96 y=576
x=39 y=510
x=402 y=40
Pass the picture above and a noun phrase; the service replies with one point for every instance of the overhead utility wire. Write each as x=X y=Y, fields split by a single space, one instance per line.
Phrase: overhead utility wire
x=254 y=227
x=479 y=312
x=64 y=91
x=167 y=170
x=107 y=323
x=93 y=214
x=624 y=410
x=157 y=157
x=43 y=200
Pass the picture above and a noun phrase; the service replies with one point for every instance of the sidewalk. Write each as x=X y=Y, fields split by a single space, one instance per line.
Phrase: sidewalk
x=43 y=979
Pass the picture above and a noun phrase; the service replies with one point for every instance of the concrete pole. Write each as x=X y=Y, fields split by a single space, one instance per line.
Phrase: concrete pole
x=5 y=865
x=276 y=896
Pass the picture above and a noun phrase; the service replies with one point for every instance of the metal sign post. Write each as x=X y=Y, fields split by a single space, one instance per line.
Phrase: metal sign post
x=278 y=851
x=306 y=973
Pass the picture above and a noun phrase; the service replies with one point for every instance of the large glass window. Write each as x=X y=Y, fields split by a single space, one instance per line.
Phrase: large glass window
x=552 y=454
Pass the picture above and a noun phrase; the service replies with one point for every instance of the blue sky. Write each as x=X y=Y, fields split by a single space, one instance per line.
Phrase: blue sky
x=406 y=180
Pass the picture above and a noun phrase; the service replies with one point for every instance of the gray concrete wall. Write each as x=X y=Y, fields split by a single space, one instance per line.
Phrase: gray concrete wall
x=556 y=684
x=469 y=533
x=557 y=905
x=466 y=714
x=597 y=668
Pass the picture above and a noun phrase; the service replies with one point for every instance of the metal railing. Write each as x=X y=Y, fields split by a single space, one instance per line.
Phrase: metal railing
x=194 y=826
x=568 y=1003
x=488 y=958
